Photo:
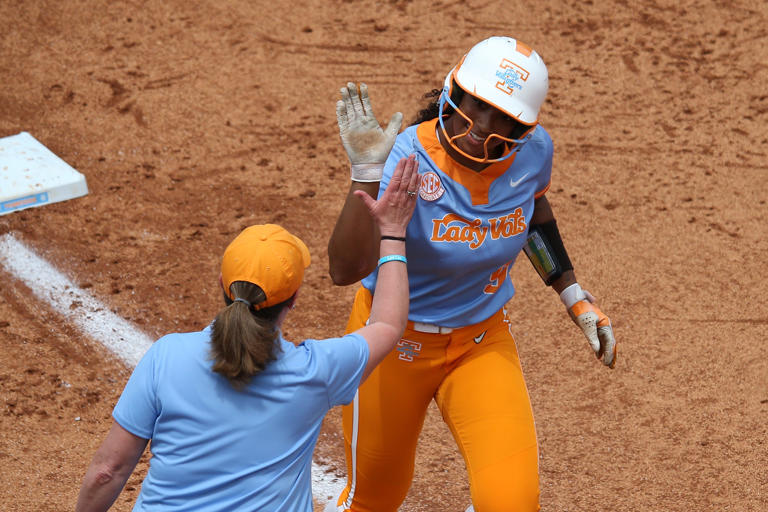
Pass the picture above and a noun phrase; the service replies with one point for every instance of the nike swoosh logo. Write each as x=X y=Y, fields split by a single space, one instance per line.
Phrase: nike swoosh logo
x=513 y=183
x=479 y=338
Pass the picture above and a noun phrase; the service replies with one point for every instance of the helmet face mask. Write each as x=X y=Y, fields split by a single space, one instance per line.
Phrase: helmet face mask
x=512 y=145
x=506 y=74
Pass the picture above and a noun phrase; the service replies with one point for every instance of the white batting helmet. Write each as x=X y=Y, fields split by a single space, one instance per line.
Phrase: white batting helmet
x=506 y=74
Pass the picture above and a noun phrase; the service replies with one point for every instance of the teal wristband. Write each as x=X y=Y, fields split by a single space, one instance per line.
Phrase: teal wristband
x=392 y=257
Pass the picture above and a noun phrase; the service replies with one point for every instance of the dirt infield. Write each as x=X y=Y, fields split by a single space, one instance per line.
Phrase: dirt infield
x=191 y=120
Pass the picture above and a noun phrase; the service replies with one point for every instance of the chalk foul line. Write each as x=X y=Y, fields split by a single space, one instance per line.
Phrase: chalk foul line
x=96 y=320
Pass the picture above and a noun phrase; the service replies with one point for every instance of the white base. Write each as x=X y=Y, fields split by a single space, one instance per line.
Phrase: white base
x=31 y=175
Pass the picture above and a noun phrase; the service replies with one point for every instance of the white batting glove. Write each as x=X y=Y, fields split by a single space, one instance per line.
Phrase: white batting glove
x=593 y=322
x=366 y=144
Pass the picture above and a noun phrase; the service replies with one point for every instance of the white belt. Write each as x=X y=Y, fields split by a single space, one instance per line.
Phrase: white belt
x=431 y=328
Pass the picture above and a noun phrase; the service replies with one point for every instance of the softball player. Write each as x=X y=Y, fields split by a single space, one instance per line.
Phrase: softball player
x=486 y=167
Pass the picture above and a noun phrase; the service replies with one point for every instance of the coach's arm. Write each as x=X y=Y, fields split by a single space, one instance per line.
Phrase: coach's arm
x=110 y=469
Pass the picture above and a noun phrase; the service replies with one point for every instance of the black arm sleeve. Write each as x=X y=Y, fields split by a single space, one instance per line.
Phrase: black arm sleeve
x=546 y=251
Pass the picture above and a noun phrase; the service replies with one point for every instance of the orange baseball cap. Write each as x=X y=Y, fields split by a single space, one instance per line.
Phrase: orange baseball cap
x=268 y=256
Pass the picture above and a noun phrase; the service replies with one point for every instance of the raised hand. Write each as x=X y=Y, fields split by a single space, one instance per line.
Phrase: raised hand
x=366 y=143
x=394 y=209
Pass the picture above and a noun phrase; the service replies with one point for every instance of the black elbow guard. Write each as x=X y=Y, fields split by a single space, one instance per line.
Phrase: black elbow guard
x=546 y=251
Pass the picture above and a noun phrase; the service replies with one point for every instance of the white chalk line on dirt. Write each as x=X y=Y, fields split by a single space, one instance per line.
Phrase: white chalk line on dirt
x=99 y=323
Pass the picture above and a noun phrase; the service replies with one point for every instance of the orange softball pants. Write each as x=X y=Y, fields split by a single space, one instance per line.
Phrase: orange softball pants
x=474 y=376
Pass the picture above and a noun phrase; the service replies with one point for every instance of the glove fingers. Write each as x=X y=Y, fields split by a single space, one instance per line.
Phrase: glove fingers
x=394 y=125
x=607 y=344
x=588 y=323
x=341 y=116
x=597 y=328
x=346 y=99
x=355 y=99
x=365 y=100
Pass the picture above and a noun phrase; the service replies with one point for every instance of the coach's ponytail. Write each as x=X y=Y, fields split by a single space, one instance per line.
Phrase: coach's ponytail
x=244 y=341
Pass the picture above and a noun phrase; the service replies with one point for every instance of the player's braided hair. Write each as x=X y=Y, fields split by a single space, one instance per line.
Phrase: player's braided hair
x=432 y=110
x=244 y=340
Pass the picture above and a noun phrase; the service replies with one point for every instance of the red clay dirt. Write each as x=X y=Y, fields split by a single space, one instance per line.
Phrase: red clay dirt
x=191 y=120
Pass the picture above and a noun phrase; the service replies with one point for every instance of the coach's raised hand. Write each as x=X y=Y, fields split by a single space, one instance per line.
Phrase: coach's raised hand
x=393 y=211
x=365 y=142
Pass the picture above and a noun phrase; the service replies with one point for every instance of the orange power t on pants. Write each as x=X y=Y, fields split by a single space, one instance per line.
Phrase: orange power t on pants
x=473 y=373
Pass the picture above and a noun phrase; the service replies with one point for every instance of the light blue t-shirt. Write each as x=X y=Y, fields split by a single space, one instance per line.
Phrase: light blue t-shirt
x=216 y=448
x=468 y=227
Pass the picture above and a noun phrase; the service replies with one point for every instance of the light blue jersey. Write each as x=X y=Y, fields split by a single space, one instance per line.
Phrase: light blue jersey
x=215 y=448
x=468 y=227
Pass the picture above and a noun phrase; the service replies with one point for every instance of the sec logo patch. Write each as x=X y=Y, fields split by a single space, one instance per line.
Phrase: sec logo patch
x=431 y=187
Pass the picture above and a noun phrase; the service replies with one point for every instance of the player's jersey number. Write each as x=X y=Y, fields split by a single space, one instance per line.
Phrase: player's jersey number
x=496 y=279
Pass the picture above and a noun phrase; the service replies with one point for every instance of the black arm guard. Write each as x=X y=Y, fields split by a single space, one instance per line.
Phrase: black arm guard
x=546 y=251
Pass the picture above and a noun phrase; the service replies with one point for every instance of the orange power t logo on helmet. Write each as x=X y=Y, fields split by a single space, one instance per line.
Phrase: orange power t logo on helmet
x=510 y=75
